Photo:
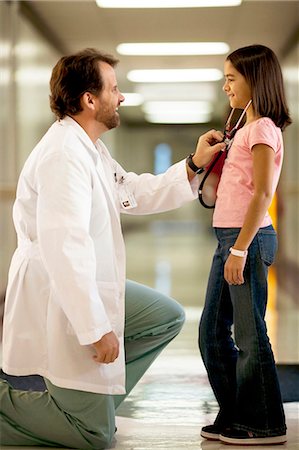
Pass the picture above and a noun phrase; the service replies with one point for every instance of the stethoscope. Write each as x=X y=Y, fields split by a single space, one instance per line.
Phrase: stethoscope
x=229 y=134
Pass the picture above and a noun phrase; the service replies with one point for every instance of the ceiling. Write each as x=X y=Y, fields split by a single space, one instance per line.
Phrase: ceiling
x=78 y=24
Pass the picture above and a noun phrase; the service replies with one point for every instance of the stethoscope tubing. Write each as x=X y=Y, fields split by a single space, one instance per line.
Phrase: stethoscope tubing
x=228 y=139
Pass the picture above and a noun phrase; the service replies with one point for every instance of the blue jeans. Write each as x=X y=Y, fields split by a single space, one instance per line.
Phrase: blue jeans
x=240 y=365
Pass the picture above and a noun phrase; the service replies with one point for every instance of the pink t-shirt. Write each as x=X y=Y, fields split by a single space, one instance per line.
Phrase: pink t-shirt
x=235 y=189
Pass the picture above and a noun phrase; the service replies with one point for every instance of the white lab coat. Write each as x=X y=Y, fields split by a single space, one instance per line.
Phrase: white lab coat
x=66 y=281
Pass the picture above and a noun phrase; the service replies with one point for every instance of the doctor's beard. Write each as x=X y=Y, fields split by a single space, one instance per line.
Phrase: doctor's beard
x=109 y=119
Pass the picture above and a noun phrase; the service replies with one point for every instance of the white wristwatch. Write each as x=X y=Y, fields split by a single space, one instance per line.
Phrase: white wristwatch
x=240 y=253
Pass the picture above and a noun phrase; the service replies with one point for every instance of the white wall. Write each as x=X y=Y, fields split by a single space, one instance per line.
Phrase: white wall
x=26 y=60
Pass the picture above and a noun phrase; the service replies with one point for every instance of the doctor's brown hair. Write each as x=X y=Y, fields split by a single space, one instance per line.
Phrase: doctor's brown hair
x=74 y=75
x=261 y=69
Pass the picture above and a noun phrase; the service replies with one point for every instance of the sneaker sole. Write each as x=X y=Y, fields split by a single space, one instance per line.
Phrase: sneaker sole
x=210 y=436
x=274 y=440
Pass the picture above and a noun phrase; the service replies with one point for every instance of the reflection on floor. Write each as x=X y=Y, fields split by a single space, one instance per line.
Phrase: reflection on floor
x=167 y=409
x=171 y=403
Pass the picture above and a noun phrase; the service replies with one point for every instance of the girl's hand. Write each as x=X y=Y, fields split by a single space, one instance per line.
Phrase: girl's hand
x=233 y=269
x=263 y=173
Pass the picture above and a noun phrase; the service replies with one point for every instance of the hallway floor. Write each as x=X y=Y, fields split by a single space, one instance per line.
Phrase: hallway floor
x=173 y=400
x=171 y=403
x=167 y=409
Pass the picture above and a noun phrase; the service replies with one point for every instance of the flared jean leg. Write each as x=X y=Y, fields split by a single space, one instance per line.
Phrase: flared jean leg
x=258 y=399
x=216 y=345
x=242 y=371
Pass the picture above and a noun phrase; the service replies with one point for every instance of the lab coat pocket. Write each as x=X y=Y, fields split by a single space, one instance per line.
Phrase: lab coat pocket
x=110 y=296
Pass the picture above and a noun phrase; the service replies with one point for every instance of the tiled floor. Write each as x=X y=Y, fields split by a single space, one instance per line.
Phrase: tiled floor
x=174 y=400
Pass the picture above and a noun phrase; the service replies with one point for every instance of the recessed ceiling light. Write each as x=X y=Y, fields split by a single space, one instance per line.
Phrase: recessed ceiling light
x=166 y=3
x=204 y=91
x=5 y=49
x=33 y=75
x=173 y=48
x=177 y=111
x=170 y=107
x=5 y=76
x=178 y=118
x=174 y=75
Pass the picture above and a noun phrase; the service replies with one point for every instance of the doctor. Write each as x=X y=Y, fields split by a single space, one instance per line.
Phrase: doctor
x=70 y=315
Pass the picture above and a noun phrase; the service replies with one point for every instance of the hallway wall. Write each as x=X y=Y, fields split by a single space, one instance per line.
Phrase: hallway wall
x=288 y=263
x=26 y=59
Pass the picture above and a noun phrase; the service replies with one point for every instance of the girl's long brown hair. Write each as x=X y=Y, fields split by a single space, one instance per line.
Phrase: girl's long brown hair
x=261 y=69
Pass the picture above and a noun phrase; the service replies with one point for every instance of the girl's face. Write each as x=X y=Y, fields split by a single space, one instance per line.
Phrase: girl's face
x=235 y=87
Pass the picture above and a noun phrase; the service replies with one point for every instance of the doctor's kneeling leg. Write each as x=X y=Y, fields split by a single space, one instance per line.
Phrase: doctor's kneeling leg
x=66 y=417
x=152 y=321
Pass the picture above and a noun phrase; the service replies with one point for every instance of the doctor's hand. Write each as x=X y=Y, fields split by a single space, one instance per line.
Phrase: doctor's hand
x=107 y=348
x=207 y=146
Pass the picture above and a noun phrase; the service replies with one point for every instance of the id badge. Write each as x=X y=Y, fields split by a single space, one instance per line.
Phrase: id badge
x=126 y=198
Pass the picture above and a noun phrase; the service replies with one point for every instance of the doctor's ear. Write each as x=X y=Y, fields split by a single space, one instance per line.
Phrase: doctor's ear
x=88 y=100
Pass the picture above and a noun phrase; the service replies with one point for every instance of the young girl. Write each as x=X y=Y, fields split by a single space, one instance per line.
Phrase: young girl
x=242 y=370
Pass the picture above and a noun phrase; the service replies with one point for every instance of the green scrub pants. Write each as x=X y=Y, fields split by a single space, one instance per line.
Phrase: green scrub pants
x=62 y=417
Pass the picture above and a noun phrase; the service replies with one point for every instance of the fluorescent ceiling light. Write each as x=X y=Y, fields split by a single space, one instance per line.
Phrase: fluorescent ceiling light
x=177 y=111
x=166 y=3
x=5 y=76
x=174 y=107
x=5 y=49
x=173 y=48
x=291 y=74
x=33 y=75
x=28 y=50
x=132 y=99
x=178 y=118
x=177 y=91
x=174 y=75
